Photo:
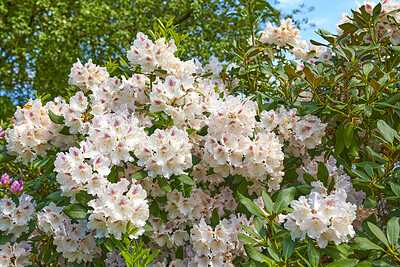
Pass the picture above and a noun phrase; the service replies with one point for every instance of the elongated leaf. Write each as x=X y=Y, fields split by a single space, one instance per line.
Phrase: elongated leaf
x=378 y=233
x=393 y=231
x=186 y=179
x=256 y=255
x=323 y=174
x=55 y=118
x=343 y=263
x=253 y=208
x=288 y=246
x=251 y=231
x=164 y=184
x=267 y=201
x=366 y=244
x=75 y=211
x=139 y=175
x=387 y=132
x=246 y=239
x=314 y=256
x=348 y=134
x=215 y=218
x=152 y=256
x=283 y=199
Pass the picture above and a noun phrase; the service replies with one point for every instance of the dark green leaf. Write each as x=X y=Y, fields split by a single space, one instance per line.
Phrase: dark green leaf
x=83 y=197
x=55 y=118
x=378 y=233
x=164 y=184
x=215 y=218
x=314 y=256
x=253 y=208
x=288 y=246
x=256 y=255
x=75 y=211
x=323 y=174
x=343 y=263
x=195 y=160
x=203 y=131
x=283 y=199
x=268 y=204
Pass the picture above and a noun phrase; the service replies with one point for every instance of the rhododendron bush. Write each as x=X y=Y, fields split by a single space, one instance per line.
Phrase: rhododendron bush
x=288 y=156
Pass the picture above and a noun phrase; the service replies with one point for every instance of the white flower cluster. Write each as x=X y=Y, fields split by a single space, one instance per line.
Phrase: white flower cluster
x=14 y=219
x=119 y=203
x=34 y=133
x=302 y=133
x=341 y=180
x=217 y=247
x=322 y=217
x=151 y=56
x=87 y=76
x=74 y=240
x=165 y=152
x=15 y=255
x=287 y=35
x=230 y=147
x=183 y=212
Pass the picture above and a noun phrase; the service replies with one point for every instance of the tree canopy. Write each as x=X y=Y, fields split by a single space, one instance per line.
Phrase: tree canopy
x=41 y=39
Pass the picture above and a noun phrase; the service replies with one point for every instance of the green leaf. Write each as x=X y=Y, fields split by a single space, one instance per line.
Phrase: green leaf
x=366 y=244
x=251 y=231
x=375 y=155
x=195 y=160
x=83 y=197
x=268 y=204
x=392 y=232
x=99 y=262
x=323 y=174
x=215 y=218
x=253 y=208
x=339 y=146
x=152 y=256
x=348 y=134
x=186 y=179
x=246 y=239
x=284 y=198
x=162 y=182
x=203 y=131
x=5 y=157
x=75 y=211
x=378 y=233
x=314 y=256
x=55 y=118
x=5 y=238
x=139 y=175
x=288 y=246
x=108 y=244
x=395 y=188
x=65 y=130
x=387 y=132
x=370 y=202
x=179 y=253
x=256 y=255
x=308 y=178
x=343 y=263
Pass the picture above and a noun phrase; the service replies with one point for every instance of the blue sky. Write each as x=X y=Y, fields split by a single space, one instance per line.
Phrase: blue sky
x=325 y=15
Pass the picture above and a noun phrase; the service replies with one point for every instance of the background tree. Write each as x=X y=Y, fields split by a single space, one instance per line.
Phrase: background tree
x=42 y=39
